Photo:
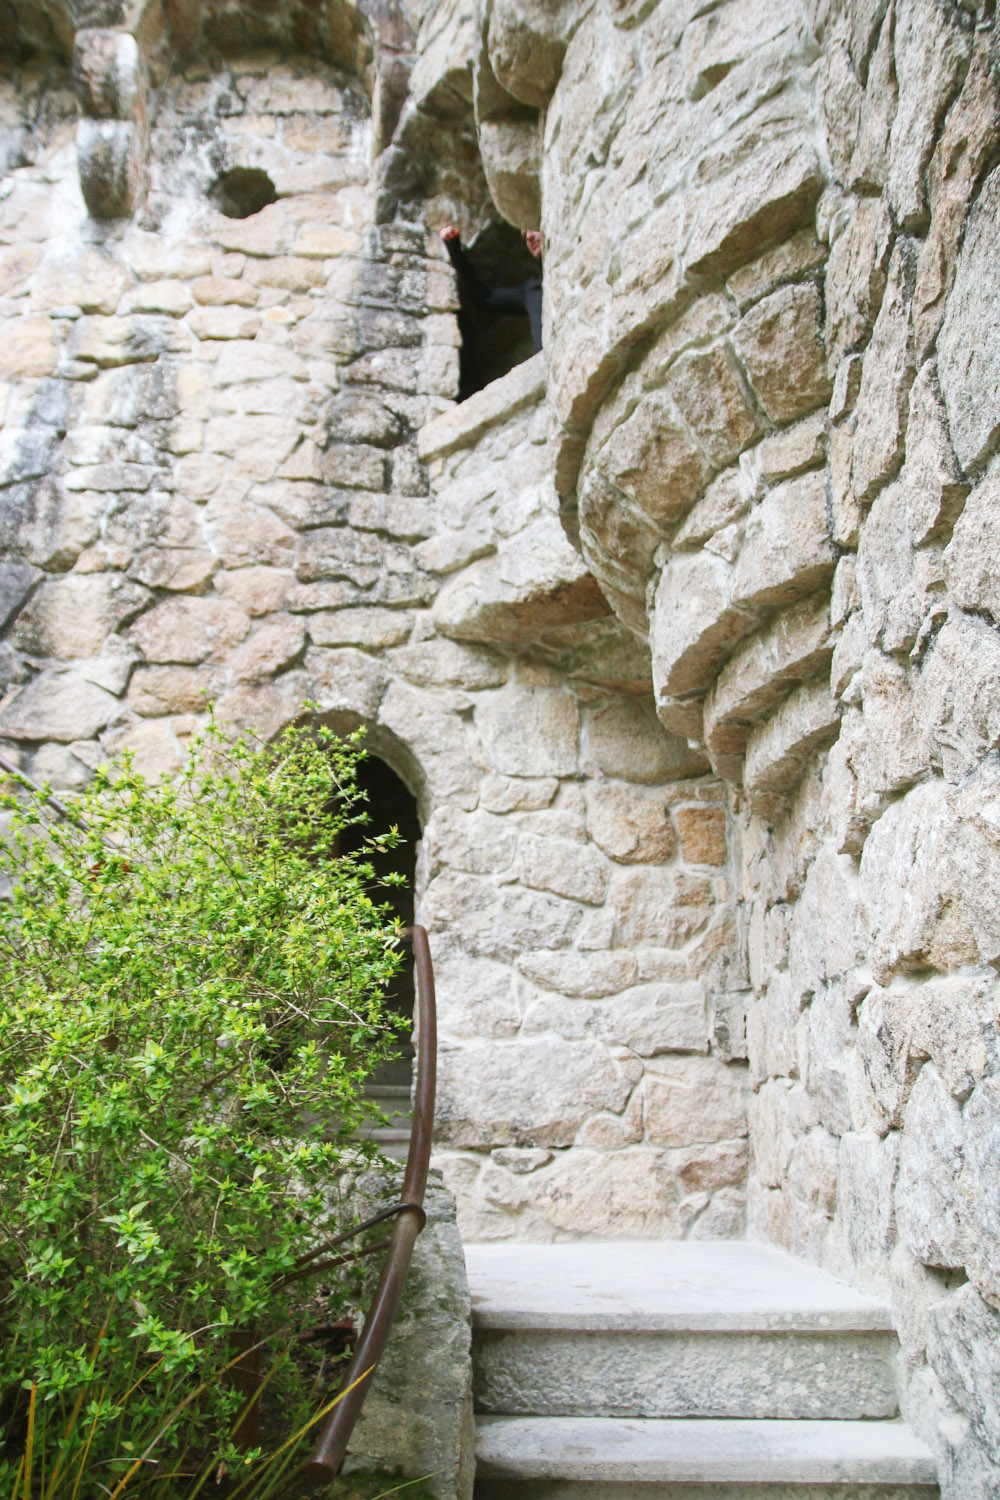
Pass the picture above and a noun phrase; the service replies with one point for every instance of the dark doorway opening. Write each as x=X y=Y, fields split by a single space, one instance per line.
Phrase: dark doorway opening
x=493 y=343
x=390 y=804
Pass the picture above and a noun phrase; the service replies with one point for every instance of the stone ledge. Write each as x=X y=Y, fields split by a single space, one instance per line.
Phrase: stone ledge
x=466 y=423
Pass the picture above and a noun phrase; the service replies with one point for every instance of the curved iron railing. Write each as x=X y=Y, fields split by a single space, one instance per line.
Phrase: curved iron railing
x=331 y=1446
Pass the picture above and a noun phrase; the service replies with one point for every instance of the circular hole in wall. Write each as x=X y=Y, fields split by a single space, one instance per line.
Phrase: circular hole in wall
x=242 y=191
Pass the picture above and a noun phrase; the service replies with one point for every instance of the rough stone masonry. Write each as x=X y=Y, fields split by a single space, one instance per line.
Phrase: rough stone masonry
x=684 y=635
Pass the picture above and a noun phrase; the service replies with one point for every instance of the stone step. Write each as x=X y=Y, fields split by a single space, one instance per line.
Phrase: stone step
x=599 y=1458
x=655 y=1329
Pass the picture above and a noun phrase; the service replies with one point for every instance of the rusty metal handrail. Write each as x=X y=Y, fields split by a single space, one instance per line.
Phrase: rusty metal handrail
x=331 y=1447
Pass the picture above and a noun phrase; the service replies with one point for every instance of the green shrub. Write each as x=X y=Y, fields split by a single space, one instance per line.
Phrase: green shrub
x=193 y=978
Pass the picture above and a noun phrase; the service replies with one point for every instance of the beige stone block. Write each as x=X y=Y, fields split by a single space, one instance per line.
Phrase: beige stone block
x=780 y=342
x=265 y=709
x=368 y=626
x=967 y=363
x=171 y=298
x=725 y=500
x=709 y=393
x=648 y=1020
x=783 y=454
x=72 y=616
x=224 y=323
x=182 y=570
x=930 y=57
x=476 y=998
x=631 y=824
x=787 y=552
x=856 y=277
x=580 y=975
x=564 y=868
x=189 y=630
x=258 y=589
x=778 y=750
x=243 y=534
x=155 y=691
x=623 y=738
x=322 y=241
x=59 y=706
x=793 y=258
x=28 y=348
x=652 y=458
x=793 y=649
x=223 y=291
x=266 y=233
x=16 y=265
x=199 y=475
x=157 y=747
x=529 y=732
x=443 y=663
x=664 y=908
x=870 y=162
x=289 y=273
x=695 y=624
x=241 y=361
x=694 y=1099
x=702 y=832
x=152 y=256
x=889 y=370
x=532 y=1092
x=88 y=279
x=273 y=645
x=769 y=196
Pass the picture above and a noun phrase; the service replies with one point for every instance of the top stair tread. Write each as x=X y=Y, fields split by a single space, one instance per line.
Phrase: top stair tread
x=701 y=1450
x=714 y=1286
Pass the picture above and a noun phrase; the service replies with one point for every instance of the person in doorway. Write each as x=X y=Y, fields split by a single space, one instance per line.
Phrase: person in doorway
x=520 y=301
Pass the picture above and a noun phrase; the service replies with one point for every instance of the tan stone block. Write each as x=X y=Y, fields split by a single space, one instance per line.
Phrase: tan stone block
x=182 y=570
x=289 y=273
x=88 y=279
x=787 y=553
x=694 y=624
x=28 y=348
x=199 y=475
x=970 y=557
x=72 y=616
x=264 y=709
x=793 y=258
x=16 y=265
x=694 y=1099
x=189 y=630
x=259 y=590
x=222 y=291
x=565 y=869
x=770 y=195
x=157 y=747
x=273 y=645
x=856 y=277
x=652 y=458
x=778 y=750
x=781 y=344
x=320 y=241
x=245 y=534
x=224 y=323
x=661 y=907
x=170 y=297
x=368 y=626
x=155 y=691
x=625 y=739
x=266 y=233
x=709 y=394
x=888 y=374
x=59 y=706
x=581 y=975
x=702 y=833
x=530 y=732
x=153 y=256
x=631 y=824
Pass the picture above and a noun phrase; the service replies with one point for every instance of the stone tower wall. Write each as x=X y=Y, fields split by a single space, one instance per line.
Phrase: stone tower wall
x=767 y=416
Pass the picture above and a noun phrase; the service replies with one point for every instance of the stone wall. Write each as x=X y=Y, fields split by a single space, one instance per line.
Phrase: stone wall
x=224 y=482
x=723 y=764
x=773 y=386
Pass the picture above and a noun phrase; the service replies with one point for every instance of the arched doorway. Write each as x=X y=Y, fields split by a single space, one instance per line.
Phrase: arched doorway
x=390 y=804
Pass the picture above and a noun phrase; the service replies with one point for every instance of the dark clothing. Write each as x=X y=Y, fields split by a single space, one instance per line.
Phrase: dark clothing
x=518 y=300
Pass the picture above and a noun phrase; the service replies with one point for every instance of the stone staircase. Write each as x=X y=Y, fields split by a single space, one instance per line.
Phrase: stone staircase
x=393 y=1099
x=690 y=1371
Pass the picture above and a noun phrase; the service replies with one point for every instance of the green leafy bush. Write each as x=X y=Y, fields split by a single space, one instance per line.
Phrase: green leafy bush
x=193 y=977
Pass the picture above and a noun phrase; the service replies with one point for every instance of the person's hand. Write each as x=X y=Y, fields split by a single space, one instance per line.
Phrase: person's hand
x=449 y=232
